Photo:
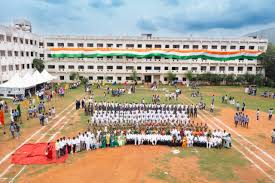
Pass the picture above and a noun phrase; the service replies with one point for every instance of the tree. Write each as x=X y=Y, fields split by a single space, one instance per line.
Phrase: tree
x=134 y=75
x=189 y=75
x=268 y=61
x=230 y=79
x=74 y=76
x=38 y=64
x=171 y=77
x=84 y=80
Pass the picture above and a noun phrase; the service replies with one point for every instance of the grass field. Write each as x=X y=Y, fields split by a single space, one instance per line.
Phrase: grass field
x=214 y=165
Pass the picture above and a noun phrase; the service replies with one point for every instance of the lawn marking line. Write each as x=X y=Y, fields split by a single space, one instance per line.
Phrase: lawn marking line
x=238 y=135
x=29 y=138
x=249 y=159
x=37 y=141
x=12 y=180
x=6 y=170
x=251 y=152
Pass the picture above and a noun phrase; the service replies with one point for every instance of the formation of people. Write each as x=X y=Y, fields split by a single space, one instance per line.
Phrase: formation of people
x=120 y=136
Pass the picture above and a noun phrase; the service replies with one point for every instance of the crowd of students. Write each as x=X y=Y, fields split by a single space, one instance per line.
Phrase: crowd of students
x=115 y=137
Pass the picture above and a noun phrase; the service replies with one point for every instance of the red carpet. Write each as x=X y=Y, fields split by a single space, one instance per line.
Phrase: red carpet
x=35 y=154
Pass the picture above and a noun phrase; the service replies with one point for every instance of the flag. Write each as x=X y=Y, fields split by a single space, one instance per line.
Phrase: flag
x=2 y=117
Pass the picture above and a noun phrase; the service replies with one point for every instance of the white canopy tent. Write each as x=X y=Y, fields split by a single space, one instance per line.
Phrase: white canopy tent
x=39 y=78
x=45 y=74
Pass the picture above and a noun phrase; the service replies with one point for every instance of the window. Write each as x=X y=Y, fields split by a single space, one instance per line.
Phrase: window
x=10 y=67
x=109 y=78
x=128 y=78
x=8 y=38
x=230 y=68
x=176 y=46
x=222 y=68
x=129 y=67
x=15 y=39
x=261 y=48
x=16 y=53
x=249 y=68
x=185 y=46
x=99 y=77
x=118 y=45
x=61 y=66
x=251 y=47
x=21 y=40
x=204 y=47
x=60 y=45
x=119 y=67
x=80 y=45
x=90 y=45
x=184 y=68
x=23 y=66
x=41 y=44
x=109 y=57
x=203 y=68
x=223 y=47
x=91 y=78
x=71 y=67
x=130 y=45
x=232 y=47
x=27 y=53
x=119 y=78
x=51 y=66
x=100 y=67
x=71 y=77
x=109 y=67
x=10 y=53
x=50 y=44
x=99 y=45
x=2 y=53
x=61 y=78
x=166 y=68
x=157 y=46
x=167 y=46
x=22 y=53
x=157 y=68
x=175 y=68
x=139 y=45
x=28 y=66
x=214 y=47
x=195 y=47
x=194 y=68
x=212 y=68
x=242 y=47
x=4 y=68
x=148 y=46
x=240 y=69
x=49 y=55
x=41 y=55
x=109 y=45
x=119 y=57
x=148 y=68
x=17 y=67
x=138 y=67
x=80 y=67
x=90 y=67
x=157 y=57
x=70 y=44
x=2 y=37
x=31 y=42
x=32 y=54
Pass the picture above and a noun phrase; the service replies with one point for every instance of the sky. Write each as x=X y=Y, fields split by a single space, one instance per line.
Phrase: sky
x=204 y=18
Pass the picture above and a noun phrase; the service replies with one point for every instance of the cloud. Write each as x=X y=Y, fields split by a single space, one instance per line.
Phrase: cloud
x=106 y=4
x=213 y=14
x=58 y=2
x=146 y=25
x=171 y=2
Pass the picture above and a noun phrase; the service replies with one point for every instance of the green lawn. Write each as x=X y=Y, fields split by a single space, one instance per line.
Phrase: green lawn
x=252 y=102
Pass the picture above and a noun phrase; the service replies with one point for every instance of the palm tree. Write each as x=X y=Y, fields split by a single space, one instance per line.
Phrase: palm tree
x=134 y=75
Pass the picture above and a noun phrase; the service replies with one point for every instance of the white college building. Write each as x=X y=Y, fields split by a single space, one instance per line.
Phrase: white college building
x=113 y=58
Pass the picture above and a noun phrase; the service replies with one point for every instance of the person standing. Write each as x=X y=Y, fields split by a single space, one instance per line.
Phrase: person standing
x=238 y=106
x=258 y=114
x=270 y=111
x=12 y=129
x=273 y=136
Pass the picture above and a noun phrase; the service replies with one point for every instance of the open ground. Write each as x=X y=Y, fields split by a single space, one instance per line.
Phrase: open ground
x=250 y=160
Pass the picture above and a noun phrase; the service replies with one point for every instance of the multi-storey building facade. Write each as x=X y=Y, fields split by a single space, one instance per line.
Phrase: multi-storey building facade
x=115 y=58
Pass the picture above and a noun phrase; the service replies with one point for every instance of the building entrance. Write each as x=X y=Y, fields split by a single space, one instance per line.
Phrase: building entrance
x=148 y=79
